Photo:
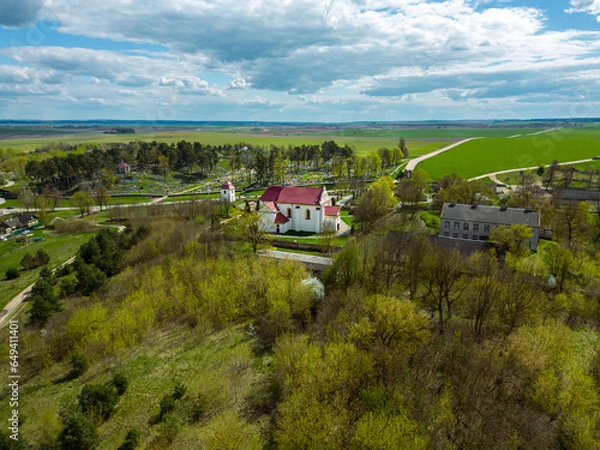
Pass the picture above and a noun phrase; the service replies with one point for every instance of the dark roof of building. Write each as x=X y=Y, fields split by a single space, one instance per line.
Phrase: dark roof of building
x=490 y=214
x=23 y=218
x=578 y=194
x=227 y=185
x=293 y=195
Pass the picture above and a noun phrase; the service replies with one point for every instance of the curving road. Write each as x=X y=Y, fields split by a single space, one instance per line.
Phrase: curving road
x=493 y=175
x=413 y=162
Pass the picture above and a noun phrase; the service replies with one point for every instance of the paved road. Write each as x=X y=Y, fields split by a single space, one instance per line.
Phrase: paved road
x=312 y=262
x=413 y=162
x=493 y=175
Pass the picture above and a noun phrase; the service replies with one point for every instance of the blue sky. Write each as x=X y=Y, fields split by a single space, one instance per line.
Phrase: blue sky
x=299 y=60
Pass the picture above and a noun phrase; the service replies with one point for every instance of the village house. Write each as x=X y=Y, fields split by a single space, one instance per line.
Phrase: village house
x=123 y=168
x=285 y=208
x=18 y=221
x=475 y=222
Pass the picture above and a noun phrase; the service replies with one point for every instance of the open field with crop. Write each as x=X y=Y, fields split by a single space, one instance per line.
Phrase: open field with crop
x=481 y=156
x=363 y=145
x=441 y=133
x=59 y=247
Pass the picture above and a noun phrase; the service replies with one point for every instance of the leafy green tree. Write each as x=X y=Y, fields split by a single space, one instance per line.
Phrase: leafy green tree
x=78 y=433
x=83 y=201
x=119 y=381
x=375 y=203
x=89 y=278
x=79 y=364
x=382 y=431
x=98 y=401
x=12 y=273
x=560 y=262
x=411 y=190
x=252 y=230
x=28 y=262
x=513 y=238
x=41 y=257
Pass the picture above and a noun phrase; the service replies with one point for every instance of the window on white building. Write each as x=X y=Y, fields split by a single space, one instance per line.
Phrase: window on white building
x=307 y=215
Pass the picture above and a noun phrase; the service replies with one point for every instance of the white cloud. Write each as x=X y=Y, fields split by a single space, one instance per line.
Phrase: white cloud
x=359 y=56
x=586 y=6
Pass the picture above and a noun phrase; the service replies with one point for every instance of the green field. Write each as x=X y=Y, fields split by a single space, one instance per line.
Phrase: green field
x=60 y=249
x=438 y=133
x=363 y=145
x=481 y=156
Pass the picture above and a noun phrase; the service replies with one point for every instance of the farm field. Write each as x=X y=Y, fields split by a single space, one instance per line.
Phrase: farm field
x=481 y=156
x=59 y=247
x=444 y=133
x=363 y=145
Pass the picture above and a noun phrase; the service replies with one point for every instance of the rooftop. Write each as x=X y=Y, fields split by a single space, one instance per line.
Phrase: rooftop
x=490 y=214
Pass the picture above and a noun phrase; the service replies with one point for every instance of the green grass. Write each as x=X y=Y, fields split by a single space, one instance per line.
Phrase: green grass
x=347 y=218
x=488 y=155
x=442 y=133
x=220 y=366
x=363 y=145
x=187 y=197
x=60 y=249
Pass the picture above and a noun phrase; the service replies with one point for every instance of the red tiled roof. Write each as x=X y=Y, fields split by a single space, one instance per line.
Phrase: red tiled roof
x=227 y=185
x=122 y=165
x=271 y=194
x=300 y=195
x=332 y=210
x=281 y=219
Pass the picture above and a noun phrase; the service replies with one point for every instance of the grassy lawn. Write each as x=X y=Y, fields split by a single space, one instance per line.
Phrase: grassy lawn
x=187 y=197
x=347 y=218
x=129 y=199
x=60 y=249
x=487 y=155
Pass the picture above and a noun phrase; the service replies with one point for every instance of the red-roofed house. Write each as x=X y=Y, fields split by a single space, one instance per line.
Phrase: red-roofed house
x=123 y=167
x=285 y=208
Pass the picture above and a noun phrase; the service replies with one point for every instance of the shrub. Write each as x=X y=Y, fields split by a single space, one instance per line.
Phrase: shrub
x=179 y=391
x=167 y=404
x=41 y=257
x=132 y=440
x=98 y=401
x=78 y=433
x=79 y=364
x=12 y=273
x=119 y=381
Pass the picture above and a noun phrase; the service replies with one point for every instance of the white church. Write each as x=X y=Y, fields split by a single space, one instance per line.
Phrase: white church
x=285 y=208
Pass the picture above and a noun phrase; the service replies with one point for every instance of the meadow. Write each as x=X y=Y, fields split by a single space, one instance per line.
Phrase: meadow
x=363 y=145
x=59 y=247
x=431 y=133
x=487 y=155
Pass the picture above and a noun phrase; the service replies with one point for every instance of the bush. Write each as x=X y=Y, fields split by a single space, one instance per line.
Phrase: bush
x=78 y=433
x=98 y=401
x=12 y=273
x=119 y=381
x=41 y=257
x=179 y=391
x=79 y=364
x=132 y=440
x=167 y=404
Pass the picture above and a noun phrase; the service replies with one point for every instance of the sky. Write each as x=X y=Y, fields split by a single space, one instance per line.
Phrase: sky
x=299 y=60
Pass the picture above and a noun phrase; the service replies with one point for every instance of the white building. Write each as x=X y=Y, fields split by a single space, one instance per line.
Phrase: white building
x=227 y=192
x=285 y=208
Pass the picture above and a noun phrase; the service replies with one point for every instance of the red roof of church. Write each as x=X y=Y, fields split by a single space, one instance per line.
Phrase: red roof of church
x=332 y=210
x=271 y=194
x=227 y=185
x=280 y=218
x=293 y=194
